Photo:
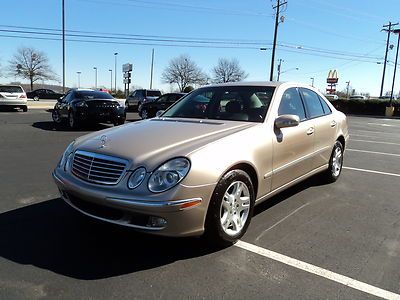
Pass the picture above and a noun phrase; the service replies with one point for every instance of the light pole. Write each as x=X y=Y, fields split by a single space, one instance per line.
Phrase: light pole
x=396 y=31
x=264 y=49
x=312 y=81
x=152 y=66
x=115 y=71
x=63 y=44
x=348 y=86
x=110 y=70
x=288 y=70
x=79 y=79
x=95 y=77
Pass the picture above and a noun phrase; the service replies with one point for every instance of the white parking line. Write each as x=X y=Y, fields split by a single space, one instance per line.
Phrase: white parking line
x=372 y=171
x=372 y=152
x=373 y=136
x=369 y=131
x=365 y=141
x=298 y=264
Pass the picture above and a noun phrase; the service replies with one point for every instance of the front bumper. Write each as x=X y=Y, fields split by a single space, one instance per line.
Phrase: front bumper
x=107 y=204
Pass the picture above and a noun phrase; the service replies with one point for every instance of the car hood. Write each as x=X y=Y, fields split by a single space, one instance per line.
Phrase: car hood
x=150 y=142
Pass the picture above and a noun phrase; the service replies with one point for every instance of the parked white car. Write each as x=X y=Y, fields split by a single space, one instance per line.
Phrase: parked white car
x=13 y=96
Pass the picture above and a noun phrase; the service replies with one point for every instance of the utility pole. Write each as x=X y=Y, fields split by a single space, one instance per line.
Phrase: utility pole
x=63 y=43
x=152 y=66
x=279 y=69
x=277 y=7
x=386 y=52
x=348 y=86
x=395 y=31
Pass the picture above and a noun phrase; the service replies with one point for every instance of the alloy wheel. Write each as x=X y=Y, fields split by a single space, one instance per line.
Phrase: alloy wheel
x=337 y=160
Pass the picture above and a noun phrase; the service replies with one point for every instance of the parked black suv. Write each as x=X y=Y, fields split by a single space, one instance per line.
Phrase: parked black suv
x=134 y=100
x=83 y=106
x=149 y=109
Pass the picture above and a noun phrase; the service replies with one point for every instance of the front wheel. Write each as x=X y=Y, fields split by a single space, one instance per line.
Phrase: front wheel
x=230 y=209
x=55 y=114
x=335 y=163
x=36 y=98
x=144 y=114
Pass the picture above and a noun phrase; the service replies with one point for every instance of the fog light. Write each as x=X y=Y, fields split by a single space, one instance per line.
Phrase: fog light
x=156 y=222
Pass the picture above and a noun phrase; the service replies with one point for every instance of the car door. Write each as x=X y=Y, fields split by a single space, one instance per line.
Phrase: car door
x=292 y=146
x=131 y=97
x=324 y=124
x=50 y=94
x=64 y=105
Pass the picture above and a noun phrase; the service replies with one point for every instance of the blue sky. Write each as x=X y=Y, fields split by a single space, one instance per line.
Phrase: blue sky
x=316 y=36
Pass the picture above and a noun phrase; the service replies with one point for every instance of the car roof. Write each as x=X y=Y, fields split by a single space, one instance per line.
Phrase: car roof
x=250 y=83
x=13 y=85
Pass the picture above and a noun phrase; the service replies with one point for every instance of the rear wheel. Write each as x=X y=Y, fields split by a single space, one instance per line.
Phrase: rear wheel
x=72 y=121
x=24 y=108
x=36 y=98
x=231 y=208
x=335 y=163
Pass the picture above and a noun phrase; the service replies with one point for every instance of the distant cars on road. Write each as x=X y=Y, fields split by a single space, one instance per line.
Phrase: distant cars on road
x=150 y=108
x=13 y=96
x=358 y=97
x=80 y=106
x=331 y=97
x=203 y=165
x=134 y=100
x=38 y=94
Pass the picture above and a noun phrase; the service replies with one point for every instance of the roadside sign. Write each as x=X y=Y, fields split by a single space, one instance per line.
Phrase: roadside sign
x=127 y=68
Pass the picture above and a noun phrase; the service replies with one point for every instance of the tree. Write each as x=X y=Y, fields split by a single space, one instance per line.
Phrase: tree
x=29 y=63
x=183 y=71
x=228 y=71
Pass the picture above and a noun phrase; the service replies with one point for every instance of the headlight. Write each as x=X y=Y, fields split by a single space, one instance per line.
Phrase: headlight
x=168 y=175
x=65 y=155
x=81 y=104
x=136 y=178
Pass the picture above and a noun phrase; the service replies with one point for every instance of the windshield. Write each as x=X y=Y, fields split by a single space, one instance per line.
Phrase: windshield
x=236 y=103
x=153 y=93
x=11 y=89
x=88 y=95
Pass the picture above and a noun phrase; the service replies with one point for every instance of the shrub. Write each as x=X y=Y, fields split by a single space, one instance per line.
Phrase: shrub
x=365 y=107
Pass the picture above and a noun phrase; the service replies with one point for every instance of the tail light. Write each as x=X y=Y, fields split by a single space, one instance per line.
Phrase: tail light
x=23 y=96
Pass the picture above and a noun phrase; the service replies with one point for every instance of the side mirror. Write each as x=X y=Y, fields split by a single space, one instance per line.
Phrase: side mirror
x=287 y=121
x=60 y=99
x=159 y=113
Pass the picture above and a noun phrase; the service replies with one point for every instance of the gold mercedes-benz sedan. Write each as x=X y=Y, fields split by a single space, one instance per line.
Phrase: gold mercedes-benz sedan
x=202 y=165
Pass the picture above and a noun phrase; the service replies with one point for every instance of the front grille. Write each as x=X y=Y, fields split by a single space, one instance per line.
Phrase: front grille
x=97 y=104
x=98 y=168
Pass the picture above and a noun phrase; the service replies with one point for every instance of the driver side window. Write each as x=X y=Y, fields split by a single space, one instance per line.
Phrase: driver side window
x=291 y=104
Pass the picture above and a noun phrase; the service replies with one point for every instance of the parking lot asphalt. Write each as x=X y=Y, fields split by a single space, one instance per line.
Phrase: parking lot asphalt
x=313 y=241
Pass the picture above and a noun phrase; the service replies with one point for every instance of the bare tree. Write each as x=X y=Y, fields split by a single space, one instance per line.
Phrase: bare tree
x=228 y=71
x=183 y=71
x=29 y=63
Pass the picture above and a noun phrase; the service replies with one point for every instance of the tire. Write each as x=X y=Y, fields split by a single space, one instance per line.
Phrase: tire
x=24 y=108
x=119 y=122
x=229 y=213
x=55 y=115
x=144 y=114
x=72 y=121
x=36 y=98
x=335 y=163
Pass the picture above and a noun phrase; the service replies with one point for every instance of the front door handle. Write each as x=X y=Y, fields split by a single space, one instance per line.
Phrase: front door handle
x=333 y=123
x=310 y=131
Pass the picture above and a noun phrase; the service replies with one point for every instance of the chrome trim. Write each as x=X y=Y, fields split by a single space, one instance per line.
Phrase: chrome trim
x=152 y=204
x=110 y=171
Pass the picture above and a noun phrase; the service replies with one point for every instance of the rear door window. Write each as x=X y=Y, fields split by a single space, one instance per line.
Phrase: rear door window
x=10 y=89
x=313 y=104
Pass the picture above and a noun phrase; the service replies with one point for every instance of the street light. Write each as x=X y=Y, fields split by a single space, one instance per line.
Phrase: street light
x=95 y=77
x=79 y=79
x=115 y=71
x=264 y=49
x=312 y=81
x=288 y=70
x=110 y=70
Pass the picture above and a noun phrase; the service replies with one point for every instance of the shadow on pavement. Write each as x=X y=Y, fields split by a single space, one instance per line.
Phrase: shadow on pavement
x=51 y=235
x=51 y=126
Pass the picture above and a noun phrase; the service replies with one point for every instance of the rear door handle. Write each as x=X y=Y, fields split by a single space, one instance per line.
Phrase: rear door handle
x=310 y=131
x=333 y=123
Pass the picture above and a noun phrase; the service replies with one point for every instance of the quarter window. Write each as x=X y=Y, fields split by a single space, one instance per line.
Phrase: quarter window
x=291 y=104
x=325 y=106
x=313 y=104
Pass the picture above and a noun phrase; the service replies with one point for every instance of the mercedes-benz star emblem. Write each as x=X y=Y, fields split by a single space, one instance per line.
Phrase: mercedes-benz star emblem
x=103 y=141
